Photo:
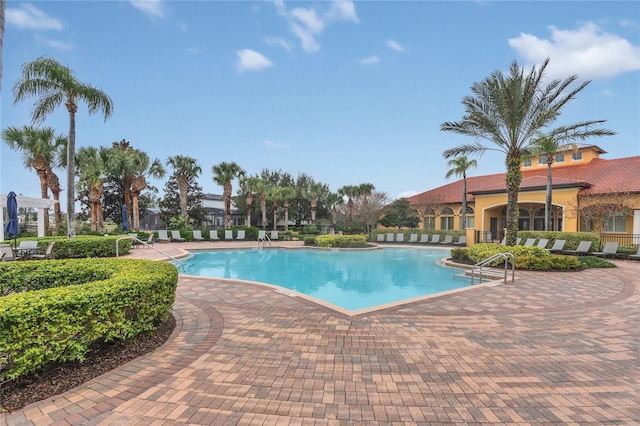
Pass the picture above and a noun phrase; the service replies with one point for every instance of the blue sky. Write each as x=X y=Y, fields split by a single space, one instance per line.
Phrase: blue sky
x=347 y=92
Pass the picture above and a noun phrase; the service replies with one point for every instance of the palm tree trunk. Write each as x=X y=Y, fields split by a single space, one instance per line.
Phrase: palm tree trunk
x=227 y=204
x=547 y=204
x=275 y=216
x=71 y=171
x=286 y=216
x=249 y=201
x=263 y=208
x=44 y=194
x=513 y=180
x=464 y=203
x=136 y=213
x=183 y=187
x=314 y=207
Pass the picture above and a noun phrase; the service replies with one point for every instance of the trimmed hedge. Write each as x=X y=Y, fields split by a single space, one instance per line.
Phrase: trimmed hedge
x=65 y=306
x=84 y=246
x=340 y=241
x=532 y=258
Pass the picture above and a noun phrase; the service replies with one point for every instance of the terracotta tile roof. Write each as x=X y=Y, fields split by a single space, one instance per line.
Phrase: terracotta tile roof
x=599 y=176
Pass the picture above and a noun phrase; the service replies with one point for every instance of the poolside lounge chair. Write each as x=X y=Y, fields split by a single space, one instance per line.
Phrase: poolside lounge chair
x=48 y=253
x=389 y=237
x=228 y=234
x=149 y=241
x=542 y=243
x=635 y=256
x=413 y=238
x=424 y=238
x=518 y=241
x=163 y=237
x=610 y=249
x=380 y=238
x=448 y=239
x=274 y=235
x=213 y=235
x=558 y=246
x=197 y=235
x=176 y=237
x=262 y=235
x=462 y=241
x=400 y=237
x=583 y=248
x=530 y=242
x=240 y=235
x=6 y=253
x=504 y=241
x=435 y=239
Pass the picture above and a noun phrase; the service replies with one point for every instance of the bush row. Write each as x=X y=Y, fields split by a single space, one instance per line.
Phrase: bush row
x=83 y=246
x=532 y=258
x=60 y=322
x=337 y=241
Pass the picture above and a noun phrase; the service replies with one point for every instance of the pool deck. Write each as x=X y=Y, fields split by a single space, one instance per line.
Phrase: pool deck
x=550 y=348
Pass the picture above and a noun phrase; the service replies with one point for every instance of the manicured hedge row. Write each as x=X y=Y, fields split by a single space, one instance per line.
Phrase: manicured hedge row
x=60 y=322
x=84 y=246
x=340 y=241
x=532 y=258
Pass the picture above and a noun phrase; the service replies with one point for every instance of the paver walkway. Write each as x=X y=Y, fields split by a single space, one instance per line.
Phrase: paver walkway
x=554 y=348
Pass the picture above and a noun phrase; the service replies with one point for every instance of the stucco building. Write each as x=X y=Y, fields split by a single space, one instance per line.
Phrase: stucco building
x=589 y=194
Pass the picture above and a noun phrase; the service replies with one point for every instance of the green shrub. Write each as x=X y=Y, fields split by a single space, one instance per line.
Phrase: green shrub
x=83 y=246
x=531 y=258
x=341 y=241
x=594 y=262
x=310 y=241
x=60 y=322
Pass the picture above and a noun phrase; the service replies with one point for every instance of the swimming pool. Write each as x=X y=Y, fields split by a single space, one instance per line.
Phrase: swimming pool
x=352 y=280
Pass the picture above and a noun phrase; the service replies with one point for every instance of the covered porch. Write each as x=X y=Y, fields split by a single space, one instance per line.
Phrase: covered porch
x=41 y=204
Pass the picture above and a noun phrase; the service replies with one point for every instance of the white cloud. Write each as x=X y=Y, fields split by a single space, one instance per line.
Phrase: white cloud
x=392 y=44
x=308 y=23
x=31 y=18
x=275 y=41
x=250 y=60
x=152 y=8
x=193 y=50
x=588 y=52
x=275 y=145
x=407 y=194
x=607 y=92
x=373 y=59
x=58 y=44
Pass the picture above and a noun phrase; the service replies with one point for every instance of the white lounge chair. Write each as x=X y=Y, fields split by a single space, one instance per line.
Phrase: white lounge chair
x=542 y=243
x=176 y=237
x=448 y=239
x=413 y=238
x=197 y=235
x=583 y=248
x=400 y=237
x=435 y=239
x=380 y=238
x=558 y=246
x=389 y=237
x=424 y=238
x=274 y=235
x=48 y=254
x=240 y=235
x=163 y=237
x=610 y=249
x=213 y=235
x=530 y=242
x=462 y=241
x=228 y=234
x=635 y=256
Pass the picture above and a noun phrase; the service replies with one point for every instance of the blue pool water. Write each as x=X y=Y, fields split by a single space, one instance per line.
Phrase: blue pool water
x=350 y=279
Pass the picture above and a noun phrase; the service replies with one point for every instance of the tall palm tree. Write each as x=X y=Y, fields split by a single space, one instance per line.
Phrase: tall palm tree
x=184 y=168
x=286 y=194
x=223 y=174
x=460 y=166
x=145 y=168
x=365 y=190
x=312 y=192
x=509 y=112
x=91 y=171
x=334 y=199
x=55 y=84
x=262 y=188
x=350 y=192
x=40 y=150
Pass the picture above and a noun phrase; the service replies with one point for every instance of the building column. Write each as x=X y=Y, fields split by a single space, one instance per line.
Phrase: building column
x=41 y=218
x=636 y=227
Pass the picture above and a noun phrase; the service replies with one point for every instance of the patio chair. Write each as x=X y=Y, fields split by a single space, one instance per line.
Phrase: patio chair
x=262 y=236
x=635 y=256
x=25 y=249
x=6 y=253
x=610 y=249
x=400 y=237
x=240 y=235
x=197 y=235
x=583 y=248
x=435 y=239
x=162 y=236
x=48 y=253
x=213 y=235
x=530 y=242
x=134 y=240
x=176 y=237
x=557 y=247
x=448 y=239
x=274 y=235
x=424 y=238
x=542 y=243
x=389 y=237
x=228 y=234
x=413 y=238
x=380 y=238
x=462 y=241
x=518 y=241
x=149 y=241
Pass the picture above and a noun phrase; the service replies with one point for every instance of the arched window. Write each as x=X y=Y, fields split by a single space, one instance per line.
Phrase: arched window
x=429 y=220
x=446 y=218
x=470 y=218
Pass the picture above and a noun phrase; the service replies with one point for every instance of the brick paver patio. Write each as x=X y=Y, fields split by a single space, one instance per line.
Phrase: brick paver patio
x=553 y=348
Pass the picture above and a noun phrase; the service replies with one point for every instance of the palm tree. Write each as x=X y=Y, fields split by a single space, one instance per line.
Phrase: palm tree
x=365 y=190
x=145 y=168
x=40 y=150
x=184 y=168
x=56 y=84
x=223 y=174
x=333 y=200
x=349 y=191
x=460 y=166
x=509 y=112
x=312 y=191
x=91 y=170
x=263 y=187
x=287 y=194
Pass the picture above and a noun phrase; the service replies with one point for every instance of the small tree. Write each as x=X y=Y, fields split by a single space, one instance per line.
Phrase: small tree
x=171 y=204
x=400 y=215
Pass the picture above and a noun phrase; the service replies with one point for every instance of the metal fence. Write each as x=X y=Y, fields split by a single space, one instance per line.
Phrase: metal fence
x=620 y=237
